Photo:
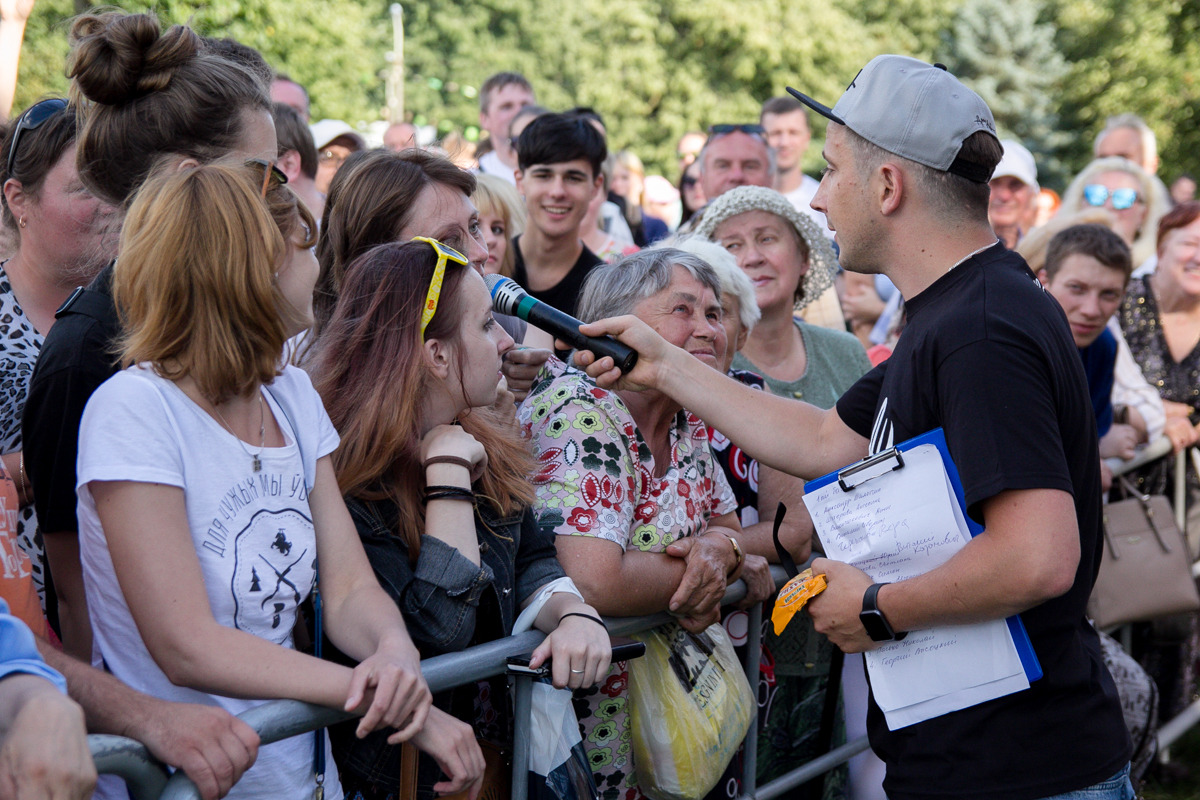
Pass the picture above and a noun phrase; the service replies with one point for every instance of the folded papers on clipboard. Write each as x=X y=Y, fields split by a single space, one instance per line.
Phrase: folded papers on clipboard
x=896 y=515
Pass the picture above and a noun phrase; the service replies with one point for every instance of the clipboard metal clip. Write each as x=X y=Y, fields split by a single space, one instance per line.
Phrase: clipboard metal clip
x=870 y=467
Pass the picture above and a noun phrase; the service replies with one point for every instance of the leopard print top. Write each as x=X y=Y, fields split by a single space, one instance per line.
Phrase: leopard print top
x=20 y=344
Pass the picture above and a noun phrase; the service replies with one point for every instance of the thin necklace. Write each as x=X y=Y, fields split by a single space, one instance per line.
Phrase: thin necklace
x=255 y=458
x=971 y=255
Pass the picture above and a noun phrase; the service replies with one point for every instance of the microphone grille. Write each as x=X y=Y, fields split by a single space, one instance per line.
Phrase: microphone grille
x=506 y=294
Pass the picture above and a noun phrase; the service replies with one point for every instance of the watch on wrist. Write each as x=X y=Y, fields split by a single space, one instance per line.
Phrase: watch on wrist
x=873 y=620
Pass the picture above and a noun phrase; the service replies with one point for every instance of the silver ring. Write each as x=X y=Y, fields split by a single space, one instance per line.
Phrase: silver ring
x=577 y=671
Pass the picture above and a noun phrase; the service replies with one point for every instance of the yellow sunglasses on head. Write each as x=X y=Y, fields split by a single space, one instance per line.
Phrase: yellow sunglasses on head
x=444 y=254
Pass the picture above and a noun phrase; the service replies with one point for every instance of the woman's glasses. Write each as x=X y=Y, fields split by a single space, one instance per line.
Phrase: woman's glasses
x=1097 y=195
x=31 y=120
x=444 y=254
x=752 y=129
x=272 y=176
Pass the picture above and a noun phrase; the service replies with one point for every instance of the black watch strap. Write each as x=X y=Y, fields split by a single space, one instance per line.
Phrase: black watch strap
x=873 y=620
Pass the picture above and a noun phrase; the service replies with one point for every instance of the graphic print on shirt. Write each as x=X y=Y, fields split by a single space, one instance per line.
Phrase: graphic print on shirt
x=273 y=551
x=882 y=432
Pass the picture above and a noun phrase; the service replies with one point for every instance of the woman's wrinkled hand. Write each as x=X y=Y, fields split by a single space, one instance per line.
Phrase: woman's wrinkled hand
x=756 y=572
x=708 y=561
x=520 y=368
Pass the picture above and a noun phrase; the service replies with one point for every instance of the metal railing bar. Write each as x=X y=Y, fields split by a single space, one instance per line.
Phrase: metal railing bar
x=804 y=774
x=127 y=758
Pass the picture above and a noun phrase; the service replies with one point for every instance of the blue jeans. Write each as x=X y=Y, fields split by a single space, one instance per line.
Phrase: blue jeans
x=1117 y=787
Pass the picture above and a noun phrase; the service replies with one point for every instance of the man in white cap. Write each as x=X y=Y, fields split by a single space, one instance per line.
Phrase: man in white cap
x=988 y=357
x=1014 y=192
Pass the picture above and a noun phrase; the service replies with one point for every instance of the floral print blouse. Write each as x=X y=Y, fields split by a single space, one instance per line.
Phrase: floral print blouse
x=596 y=478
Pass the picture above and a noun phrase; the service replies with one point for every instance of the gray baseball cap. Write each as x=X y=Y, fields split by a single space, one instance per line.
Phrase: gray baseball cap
x=916 y=110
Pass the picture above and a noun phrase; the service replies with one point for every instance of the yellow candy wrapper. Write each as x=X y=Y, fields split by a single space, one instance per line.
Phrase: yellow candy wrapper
x=792 y=597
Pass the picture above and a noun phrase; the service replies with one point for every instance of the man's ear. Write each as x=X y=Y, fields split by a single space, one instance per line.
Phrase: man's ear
x=890 y=188
x=742 y=336
x=1043 y=277
x=437 y=357
x=289 y=164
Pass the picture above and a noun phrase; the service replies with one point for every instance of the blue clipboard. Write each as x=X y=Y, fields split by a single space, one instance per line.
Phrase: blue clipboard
x=892 y=459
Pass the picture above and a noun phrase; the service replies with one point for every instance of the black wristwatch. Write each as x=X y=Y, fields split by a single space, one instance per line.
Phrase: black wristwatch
x=878 y=628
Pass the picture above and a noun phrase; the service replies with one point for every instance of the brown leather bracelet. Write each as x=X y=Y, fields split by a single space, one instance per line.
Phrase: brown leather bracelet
x=457 y=460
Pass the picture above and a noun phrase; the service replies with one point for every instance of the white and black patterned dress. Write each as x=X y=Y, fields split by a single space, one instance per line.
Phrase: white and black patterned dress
x=20 y=344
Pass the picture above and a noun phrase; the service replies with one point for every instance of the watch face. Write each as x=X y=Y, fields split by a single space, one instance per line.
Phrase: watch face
x=876 y=625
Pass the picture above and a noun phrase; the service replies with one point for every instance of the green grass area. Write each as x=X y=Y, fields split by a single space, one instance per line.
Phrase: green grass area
x=1181 y=779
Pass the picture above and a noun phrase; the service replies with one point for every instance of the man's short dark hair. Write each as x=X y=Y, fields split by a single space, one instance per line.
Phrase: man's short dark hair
x=1095 y=240
x=783 y=105
x=293 y=134
x=951 y=195
x=555 y=138
x=499 y=81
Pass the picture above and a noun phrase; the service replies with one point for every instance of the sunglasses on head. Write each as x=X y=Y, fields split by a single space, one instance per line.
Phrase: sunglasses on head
x=31 y=120
x=1097 y=195
x=752 y=129
x=272 y=176
x=444 y=254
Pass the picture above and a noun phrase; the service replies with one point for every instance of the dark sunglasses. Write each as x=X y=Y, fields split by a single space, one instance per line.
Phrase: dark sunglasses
x=1097 y=195
x=752 y=129
x=30 y=120
x=688 y=180
x=273 y=176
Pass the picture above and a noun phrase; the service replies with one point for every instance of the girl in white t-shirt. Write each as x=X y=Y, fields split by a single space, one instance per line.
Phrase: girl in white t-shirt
x=207 y=498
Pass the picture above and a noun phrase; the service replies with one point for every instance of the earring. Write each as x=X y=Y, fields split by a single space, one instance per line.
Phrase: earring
x=22 y=223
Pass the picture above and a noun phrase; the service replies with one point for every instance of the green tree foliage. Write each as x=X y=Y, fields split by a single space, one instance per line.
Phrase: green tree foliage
x=1002 y=51
x=655 y=68
x=334 y=49
x=1136 y=56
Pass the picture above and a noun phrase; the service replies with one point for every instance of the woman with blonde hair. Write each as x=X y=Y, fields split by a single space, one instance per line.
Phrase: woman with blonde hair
x=439 y=487
x=629 y=183
x=1129 y=193
x=196 y=600
x=501 y=217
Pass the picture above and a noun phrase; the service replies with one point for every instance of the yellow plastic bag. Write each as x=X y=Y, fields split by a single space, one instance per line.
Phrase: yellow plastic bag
x=691 y=706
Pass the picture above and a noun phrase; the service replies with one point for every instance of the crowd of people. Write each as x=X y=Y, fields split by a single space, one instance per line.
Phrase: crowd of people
x=264 y=437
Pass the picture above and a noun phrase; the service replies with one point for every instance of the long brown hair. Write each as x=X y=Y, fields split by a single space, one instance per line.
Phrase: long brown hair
x=369 y=368
x=194 y=286
x=369 y=203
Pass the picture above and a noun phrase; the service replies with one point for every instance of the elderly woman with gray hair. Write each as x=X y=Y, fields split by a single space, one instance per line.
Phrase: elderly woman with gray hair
x=645 y=518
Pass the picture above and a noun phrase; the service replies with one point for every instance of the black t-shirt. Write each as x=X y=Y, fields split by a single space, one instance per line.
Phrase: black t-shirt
x=563 y=295
x=988 y=356
x=75 y=359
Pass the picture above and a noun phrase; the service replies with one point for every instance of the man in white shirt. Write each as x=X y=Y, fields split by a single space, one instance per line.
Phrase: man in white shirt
x=786 y=122
x=502 y=96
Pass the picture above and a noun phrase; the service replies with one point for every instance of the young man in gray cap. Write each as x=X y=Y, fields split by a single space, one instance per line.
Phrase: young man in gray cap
x=988 y=357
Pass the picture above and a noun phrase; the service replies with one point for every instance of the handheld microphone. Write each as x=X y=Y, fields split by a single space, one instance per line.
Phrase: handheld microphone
x=509 y=298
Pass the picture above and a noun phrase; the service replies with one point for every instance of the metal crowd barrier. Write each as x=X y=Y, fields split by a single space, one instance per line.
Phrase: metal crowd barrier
x=149 y=779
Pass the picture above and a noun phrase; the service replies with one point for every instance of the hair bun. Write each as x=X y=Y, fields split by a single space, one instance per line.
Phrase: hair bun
x=117 y=58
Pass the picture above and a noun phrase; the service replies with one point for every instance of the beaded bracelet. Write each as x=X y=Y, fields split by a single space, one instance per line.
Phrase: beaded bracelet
x=462 y=462
x=447 y=493
x=596 y=620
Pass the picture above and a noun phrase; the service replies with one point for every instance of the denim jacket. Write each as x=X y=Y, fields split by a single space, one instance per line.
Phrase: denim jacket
x=440 y=598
